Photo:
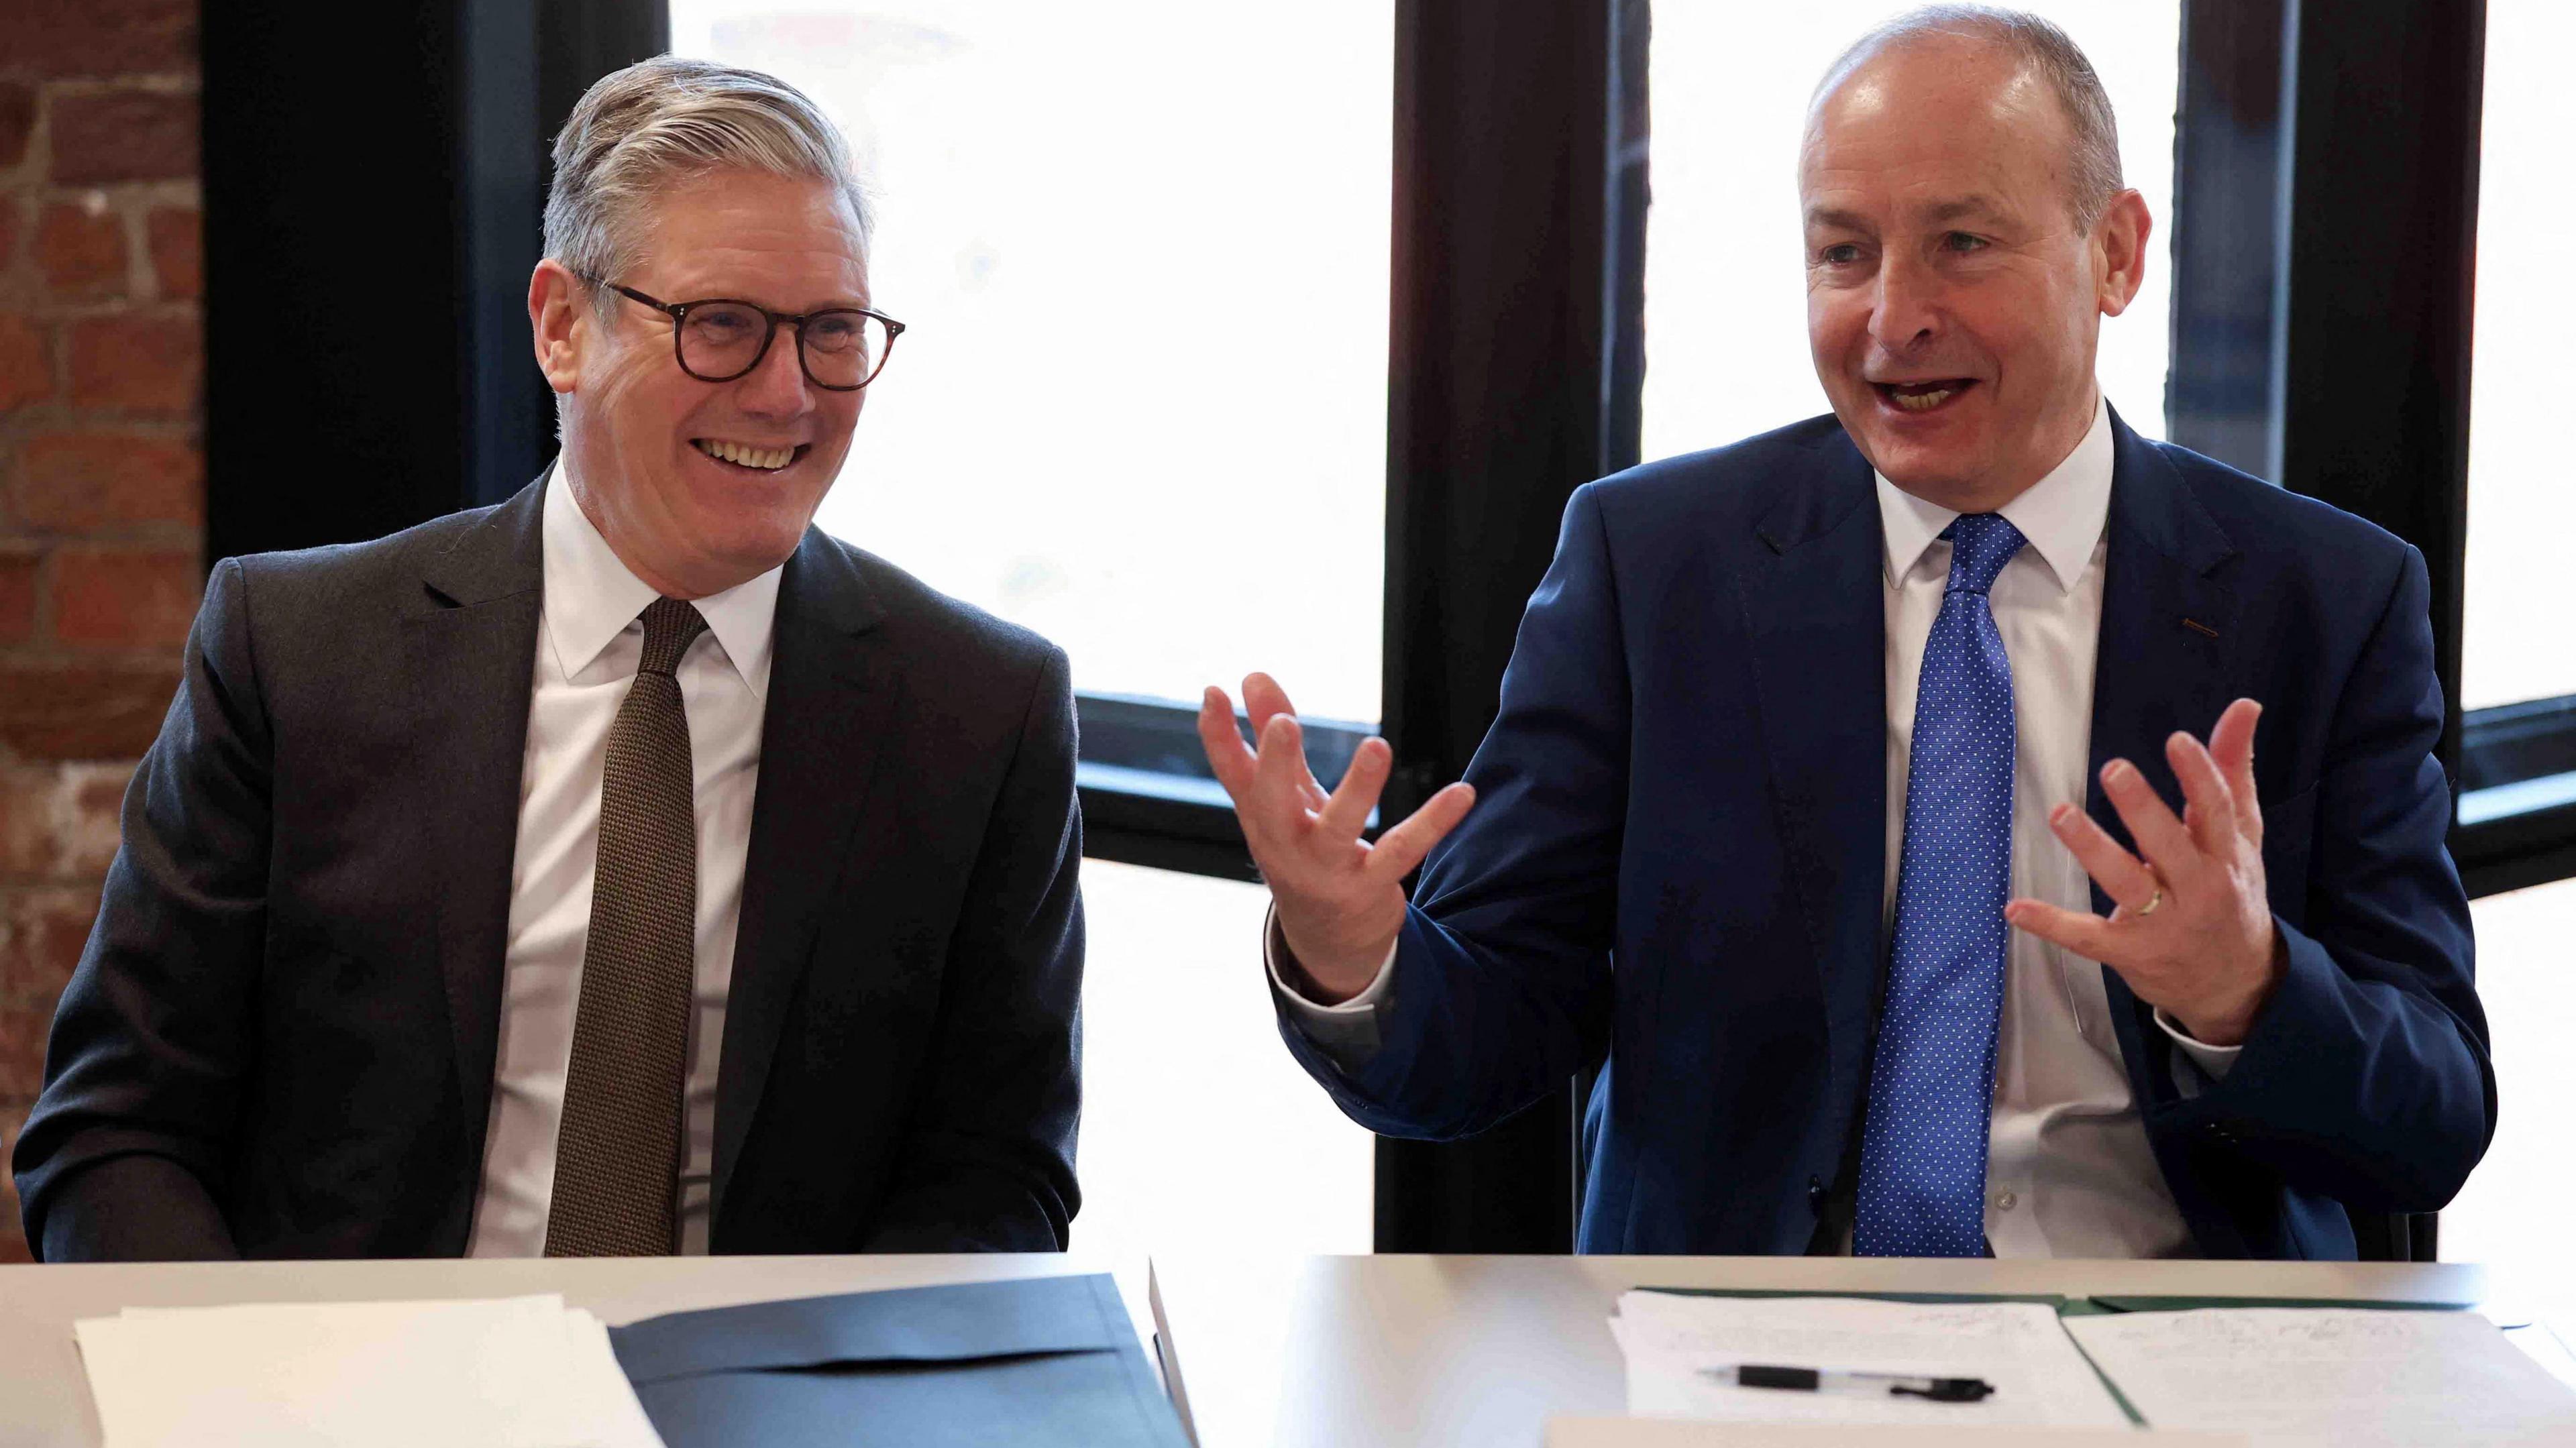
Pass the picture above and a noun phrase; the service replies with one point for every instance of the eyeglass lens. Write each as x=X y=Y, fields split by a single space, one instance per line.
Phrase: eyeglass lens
x=721 y=341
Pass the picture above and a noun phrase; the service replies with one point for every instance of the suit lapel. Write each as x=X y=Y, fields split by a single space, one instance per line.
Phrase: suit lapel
x=832 y=693
x=1814 y=609
x=470 y=642
x=2168 y=623
x=2168 y=631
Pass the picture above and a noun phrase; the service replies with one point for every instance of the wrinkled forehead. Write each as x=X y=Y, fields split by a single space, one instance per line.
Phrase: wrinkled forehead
x=1940 y=125
x=755 y=226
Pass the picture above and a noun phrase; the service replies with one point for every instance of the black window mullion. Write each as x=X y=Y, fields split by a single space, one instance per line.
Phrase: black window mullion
x=1515 y=354
x=2326 y=241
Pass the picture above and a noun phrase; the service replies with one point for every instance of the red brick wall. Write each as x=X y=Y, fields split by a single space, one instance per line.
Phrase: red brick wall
x=102 y=470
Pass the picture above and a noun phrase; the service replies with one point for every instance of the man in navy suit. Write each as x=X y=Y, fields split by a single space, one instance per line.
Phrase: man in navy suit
x=1830 y=808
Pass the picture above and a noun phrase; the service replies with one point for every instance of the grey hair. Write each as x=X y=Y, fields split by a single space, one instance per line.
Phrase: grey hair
x=668 y=119
x=2038 y=44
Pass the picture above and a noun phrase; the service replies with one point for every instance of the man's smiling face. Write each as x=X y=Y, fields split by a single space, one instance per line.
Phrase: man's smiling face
x=1954 y=298
x=701 y=485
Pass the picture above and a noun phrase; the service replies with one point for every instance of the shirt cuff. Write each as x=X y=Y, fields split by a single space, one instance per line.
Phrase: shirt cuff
x=1348 y=1027
x=2214 y=1061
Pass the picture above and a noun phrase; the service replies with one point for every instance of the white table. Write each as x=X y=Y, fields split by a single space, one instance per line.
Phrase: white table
x=1483 y=1350
x=1293 y=1351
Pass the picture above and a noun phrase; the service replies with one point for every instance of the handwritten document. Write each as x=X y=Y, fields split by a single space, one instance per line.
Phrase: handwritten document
x=2350 y=1377
x=1681 y=1351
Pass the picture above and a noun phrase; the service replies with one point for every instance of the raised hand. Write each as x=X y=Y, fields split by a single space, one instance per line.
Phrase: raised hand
x=2193 y=929
x=1340 y=899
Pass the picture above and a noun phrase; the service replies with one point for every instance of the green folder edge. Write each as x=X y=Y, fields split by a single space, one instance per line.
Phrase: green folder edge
x=2065 y=1306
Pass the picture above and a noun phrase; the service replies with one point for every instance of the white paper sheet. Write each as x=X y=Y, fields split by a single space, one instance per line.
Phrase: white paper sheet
x=2351 y=1377
x=1675 y=1433
x=516 y=1372
x=1673 y=1342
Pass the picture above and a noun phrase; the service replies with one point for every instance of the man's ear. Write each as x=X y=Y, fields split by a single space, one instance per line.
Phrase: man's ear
x=2120 y=246
x=558 y=315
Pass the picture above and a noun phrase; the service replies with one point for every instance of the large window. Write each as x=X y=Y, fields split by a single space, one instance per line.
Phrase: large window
x=2519 y=613
x=1726 y=328
x=2516 y=665
x=1142 y=250
x=1199 y=1132
x=2511 y=1211
x=2517 y=673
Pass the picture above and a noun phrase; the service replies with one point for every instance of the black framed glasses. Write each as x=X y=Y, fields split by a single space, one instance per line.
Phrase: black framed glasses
x=719 y=339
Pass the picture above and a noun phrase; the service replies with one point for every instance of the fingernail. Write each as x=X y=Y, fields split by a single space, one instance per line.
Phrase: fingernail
x=2118 y=771
x=2060 y=815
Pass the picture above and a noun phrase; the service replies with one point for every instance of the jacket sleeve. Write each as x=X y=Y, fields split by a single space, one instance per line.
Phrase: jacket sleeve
x=987 y=1164
x=2366 y=1075
x=126 y=1152
x=1500 y=989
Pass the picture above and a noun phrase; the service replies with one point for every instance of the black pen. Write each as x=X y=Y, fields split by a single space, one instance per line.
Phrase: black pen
x=1815 y=1380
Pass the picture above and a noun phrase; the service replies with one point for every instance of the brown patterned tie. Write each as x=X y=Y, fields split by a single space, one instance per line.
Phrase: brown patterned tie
x=617 y=1158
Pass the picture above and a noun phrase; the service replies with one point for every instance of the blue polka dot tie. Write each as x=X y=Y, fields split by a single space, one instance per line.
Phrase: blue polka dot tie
x=1931 y=1086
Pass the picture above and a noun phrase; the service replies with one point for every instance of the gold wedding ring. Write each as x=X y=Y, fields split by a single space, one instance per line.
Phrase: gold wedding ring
x=2154 y=900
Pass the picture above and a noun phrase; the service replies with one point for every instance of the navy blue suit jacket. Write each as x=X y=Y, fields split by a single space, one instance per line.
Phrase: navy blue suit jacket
x=1675 y=864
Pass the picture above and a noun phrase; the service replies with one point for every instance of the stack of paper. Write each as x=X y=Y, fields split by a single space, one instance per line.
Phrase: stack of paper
x=520 y=1372
x=2342 y=1376
x=1682 y=1353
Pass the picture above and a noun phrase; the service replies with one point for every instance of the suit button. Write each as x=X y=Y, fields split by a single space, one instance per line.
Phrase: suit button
x=1816 y=1195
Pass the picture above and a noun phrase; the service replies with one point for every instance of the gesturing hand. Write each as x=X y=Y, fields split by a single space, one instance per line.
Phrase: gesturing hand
x=1340 y=899
x=2193 y=932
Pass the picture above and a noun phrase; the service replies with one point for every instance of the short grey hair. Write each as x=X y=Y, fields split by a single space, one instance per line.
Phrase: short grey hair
x=667 y=119
x=2036 y=43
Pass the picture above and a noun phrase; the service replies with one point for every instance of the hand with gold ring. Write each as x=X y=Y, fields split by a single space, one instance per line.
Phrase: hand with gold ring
x=2193 y=931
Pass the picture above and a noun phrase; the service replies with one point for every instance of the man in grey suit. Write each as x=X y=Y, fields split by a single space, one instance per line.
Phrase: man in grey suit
x=626 y=869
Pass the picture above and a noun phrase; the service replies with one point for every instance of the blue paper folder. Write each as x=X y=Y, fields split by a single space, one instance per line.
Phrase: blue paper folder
x=1012 y=1364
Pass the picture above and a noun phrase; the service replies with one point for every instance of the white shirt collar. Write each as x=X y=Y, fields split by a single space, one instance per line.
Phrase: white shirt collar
x=590 y=597
x=2061 y=516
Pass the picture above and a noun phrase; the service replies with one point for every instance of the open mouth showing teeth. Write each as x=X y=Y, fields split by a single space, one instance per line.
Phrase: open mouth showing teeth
x=743 y=455
x=1923 y=396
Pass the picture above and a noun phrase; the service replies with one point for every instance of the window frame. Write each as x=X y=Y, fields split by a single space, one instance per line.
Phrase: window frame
x=1519 y=182
x=2268 y=372
x=1518 y=289
x=2370 y=411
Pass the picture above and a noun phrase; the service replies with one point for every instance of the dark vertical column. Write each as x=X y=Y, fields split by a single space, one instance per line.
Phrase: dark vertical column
x=578 y=41
x=527 y=63
x=1623 y=272
x=2380 y=250
x=2226 y=234
x=373 y=194
x=1512 y=166
x=502 y=175
x=332 y=406
x=2325 y=248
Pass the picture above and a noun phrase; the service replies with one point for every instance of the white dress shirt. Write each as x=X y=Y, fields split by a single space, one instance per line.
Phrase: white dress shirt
x=589 y=643
x=2068 y=1169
